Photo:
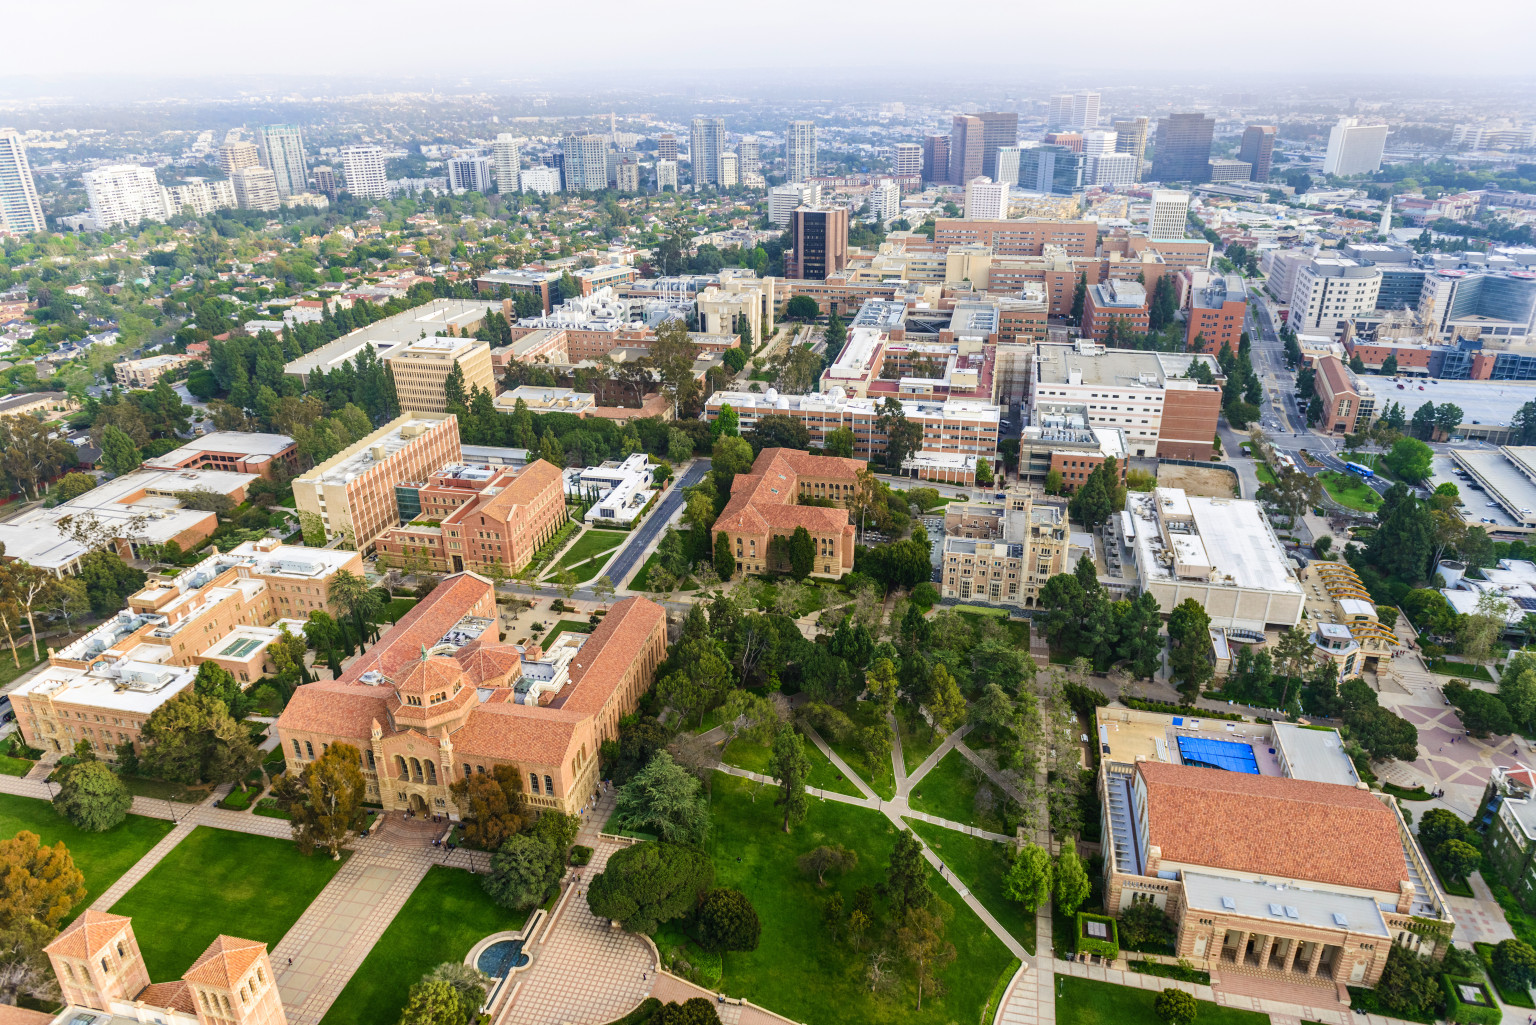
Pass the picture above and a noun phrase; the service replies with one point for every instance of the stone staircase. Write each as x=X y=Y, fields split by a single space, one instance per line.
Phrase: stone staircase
x=396 y=830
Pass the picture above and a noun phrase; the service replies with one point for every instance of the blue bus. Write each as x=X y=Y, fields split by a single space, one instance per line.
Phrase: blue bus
x=1364 y=471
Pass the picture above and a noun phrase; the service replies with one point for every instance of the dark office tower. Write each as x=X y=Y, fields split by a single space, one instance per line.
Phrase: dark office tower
x=821 y=243
x=1054 y=170
x=1183 y=151
x=666 y=146
x=998 y=129
x=1131 y=137
x=967 y=144
x=1258 y=148
x=936 y=158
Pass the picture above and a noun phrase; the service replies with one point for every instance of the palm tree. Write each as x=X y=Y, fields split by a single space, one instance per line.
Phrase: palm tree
x=353 y=599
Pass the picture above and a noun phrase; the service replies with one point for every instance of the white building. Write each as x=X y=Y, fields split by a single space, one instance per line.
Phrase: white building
x=506 y=159
x=730 y=170
x=1114 y=169
x=1354 y=148
x=282 y=152
x=624 y=489
x=885 y=200
x=1224 y=169
x=800 y=151
x=1085 y=111
x=986 y=200
x=783 y=199
x=1008 y=164
x=256 y=188
x=1331 y=291
x=586 y=162
x=907 y=160
x=21 y=212
x=469 y=174
x=541 y=179
x=666 y=175
x=201 y=197
x=706 y=145
x=363 y=167
x=123 y=194
x=1170 y=212
x=749 y=155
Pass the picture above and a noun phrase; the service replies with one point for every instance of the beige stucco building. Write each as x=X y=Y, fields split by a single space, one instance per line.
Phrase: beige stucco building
x=421 y=369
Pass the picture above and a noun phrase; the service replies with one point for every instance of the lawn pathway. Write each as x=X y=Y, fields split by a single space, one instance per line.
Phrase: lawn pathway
x=125 y=882
x=837 y=760
x=904 y=787
x=204 y=814
x=996 y=777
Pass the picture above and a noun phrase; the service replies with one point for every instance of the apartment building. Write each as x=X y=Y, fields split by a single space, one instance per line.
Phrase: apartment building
x=21 y=212
x=281 y=148
x=122 y=194
x=1147 y=395
x=256 y=188
x=352 y=494
x=143 y=373
x=201 y=197
x=986 y=200
x=764 y=511
x=1330 y=292
x=421 y=370
x=363 y=167
x=800 y=151
x=228 y=609
x=1349 y=405
x=1019 y=238
x=237 y=154
x=1169 y=214
x=1217 y=312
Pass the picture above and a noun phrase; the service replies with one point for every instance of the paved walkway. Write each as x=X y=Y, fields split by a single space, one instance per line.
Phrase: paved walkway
x=125 y=882
x=156 y=808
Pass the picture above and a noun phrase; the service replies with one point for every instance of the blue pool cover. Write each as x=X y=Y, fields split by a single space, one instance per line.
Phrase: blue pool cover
x=1218 y=754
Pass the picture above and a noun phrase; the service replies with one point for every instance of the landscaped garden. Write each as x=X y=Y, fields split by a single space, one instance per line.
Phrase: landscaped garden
x=1086 y=1002
x=1350 y=491
x=747 y=754
x=802 y=968
x=446 y=915
x=876 y=773
x=588 y=554
x=102 y=857
x=214 y=882
x=13 y=760
x=917 y=742
x=982 y=865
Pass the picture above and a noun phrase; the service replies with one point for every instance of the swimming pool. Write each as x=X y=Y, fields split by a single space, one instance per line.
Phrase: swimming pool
x=501 y=957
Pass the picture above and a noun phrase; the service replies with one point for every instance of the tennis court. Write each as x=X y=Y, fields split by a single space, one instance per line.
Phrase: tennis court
x=1218 y=754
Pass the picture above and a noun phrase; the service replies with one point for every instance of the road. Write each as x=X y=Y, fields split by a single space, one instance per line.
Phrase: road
x=643 y=536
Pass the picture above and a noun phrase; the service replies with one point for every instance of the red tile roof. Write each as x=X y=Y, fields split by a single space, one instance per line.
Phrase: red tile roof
x=87 y=934
x=764 y=499
x=11 y=1015
x=337 y=709
x=1272 y=826
x=176 y=996
x=225 y=962
x=529 y=485
x=526 y=733
x=610 y=651
x=424 y=625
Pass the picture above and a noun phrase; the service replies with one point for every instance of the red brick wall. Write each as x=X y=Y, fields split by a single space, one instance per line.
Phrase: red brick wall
x=1189 y=423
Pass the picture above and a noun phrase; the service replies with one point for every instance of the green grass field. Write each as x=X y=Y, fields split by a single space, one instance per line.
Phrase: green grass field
x=102 y=857
x=1264 y=473
x=216 y=881
x=744 y=754
x=580 y=626
x=1350 y=491
x=981 y=865
x=917 y=743
x=877 y=775
x=799 y=969
x=396 y=608
x=442 y=921
x=589 y=553
x=950 y=792
x=1085 y=1002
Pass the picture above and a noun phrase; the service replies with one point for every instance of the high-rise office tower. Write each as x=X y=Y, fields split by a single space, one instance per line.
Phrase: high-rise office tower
x=363 y=167
x=998 y=129
x=1183 y=148
x=967 y=147
x=237 y=154
x=800 y=151
x=1170 y=213
x=1054 y=170
x=507 y=160
x=1096 y=144
x=749 y=155
x=123 y=194
x=256 y=188
x=666 y=147
x=907 y=160
x=1060 y=114
x=783 y=200
x=1258 y=149
x=469 y=174
x=586 y=162
x=1085 y=111
x=821 y=242
x=986 y=200
x=1354 y=148
x=324 y=178
x=21 y=212
x=936 y=158
x=1112 y=169
x=1008 y=164
x=1131 y=137
x=282 y=153
x=706 y=145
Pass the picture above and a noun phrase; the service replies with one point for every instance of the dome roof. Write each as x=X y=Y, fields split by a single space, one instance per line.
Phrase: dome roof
x=430 y=675
x=488 y=663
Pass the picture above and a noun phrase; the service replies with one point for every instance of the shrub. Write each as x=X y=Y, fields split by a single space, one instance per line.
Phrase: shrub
x=1469 y=1002
x=1175 y=1007
x=238 y=799
x=581 y=855
x=1109 y=947
x=1145 y=926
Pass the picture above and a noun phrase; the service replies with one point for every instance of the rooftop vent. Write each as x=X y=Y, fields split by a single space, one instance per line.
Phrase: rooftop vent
x=1339 y=919
x=1277 y=910
x=1229 y=903
x=1291 y=912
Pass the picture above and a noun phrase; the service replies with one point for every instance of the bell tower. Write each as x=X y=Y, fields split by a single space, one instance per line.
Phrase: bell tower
x=97 y=961
x=233 y=982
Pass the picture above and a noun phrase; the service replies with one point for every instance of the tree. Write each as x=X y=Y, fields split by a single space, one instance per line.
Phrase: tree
x=1447 y=418
x=1079 y=298
x=1514 y=961
x=1053 y=482
x=903 y=437
x=1389 y=366
x=1175 y=1007
x=1029 y=878
x=838 y=443
x=725 y=561
x=983 y=472
x=1422 y=425
x=24 y=964
x=945 y=704
x=1482 y=713
x=1143 y=922
x=1190 y=642
x=1402 y=545
x=920 y=938
x=1459 y=858
x=72 y=485
x=37 y=882
x=1409 y=459
x=325 y=799
x=118 y=452
x=352 y=599
x=824 y=859
x=727 y=423
x=214 y=681
x=469 y=984
x=802 y=307
x=492 y=806
x=1070 y=878
x=432 y=1002
x=906 y=877
x=523 y=870
x=693 y=1011
x=728 y=921
x=92 y=798
x=729 y=457
x=193 y=739
x=651 y=883
x=665 y=799
x=790 y=767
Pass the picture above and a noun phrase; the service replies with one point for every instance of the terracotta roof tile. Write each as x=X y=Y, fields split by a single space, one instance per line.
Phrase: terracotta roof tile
x=1272 y=826
x=425 y=625
x=176 y=996
x=523 y=491
x=87 y=934
x=336 y=708
x=610 y=651
x=487 y=663
x=521 y=732
x=765 y=498
x=225 y=962
x=11 y=1015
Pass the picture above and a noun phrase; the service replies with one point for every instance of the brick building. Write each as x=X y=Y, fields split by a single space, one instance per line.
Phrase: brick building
x=1348 y=404
x=1216 y=315
x=1019 y=238
x=240 y=451
x=1124 y=302
x=764 y=506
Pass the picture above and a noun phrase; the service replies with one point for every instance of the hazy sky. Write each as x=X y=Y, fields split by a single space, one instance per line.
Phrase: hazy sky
x=987 y=40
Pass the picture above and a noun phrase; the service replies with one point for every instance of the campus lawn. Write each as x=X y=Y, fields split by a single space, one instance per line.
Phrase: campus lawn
x=949 y=791
x=981 y=865
x=917 y=743
x=397 y=607
x=593 y=542
x=1264 y=473
x=1086 y=1002
x=641 y=581
x=799 y=969
x=446 y=915
x=11 y=761
x=877 y=775
x=744 y=754
x=1350 y=491
x=216 y=881
x=580 y=626
x=102 y=857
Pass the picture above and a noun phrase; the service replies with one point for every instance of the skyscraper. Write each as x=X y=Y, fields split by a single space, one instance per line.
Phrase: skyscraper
x=508 y=160
x=1060 y=114
x=936 y=158
x=325 y=181
x=998 y=129
x=123 y=194
x=469 y=174
x=1008 y=164
x=363 y=167
x=800 y=151
x=1096 y=144
x=1170 y=213
x=730 y=170
x=1085 y=111
x=706 y=144
x=21 y=212
x=256 y=188
x=1258 y=149
x=986 y=200
x=749 y=155
x=907 y=160
x=967 y=147
x=586 y=162
x=666 y=147
x=282 y=153
x=237 y=154
x=666 y=175
x=1131 y=137
x=821 y=242
x=1354 y=148
x=1183 y=148
x=1054 y=170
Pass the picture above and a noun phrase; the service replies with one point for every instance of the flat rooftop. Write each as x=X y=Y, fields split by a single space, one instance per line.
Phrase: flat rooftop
x=1491 y=402
x=436 y=317
x=1132 y=734
x=1122 y=368
x=242 y=442
x=1499 y=472
x=1285 y=903
x=1230 y=536
x=1315 y=754
x=365 y=454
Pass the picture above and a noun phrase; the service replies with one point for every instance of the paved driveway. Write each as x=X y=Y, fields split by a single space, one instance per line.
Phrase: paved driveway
x=643 y=536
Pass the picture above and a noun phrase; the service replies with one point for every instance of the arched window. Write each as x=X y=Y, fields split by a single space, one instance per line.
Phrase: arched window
x=400 y=765
x=432 y=773
x=549 y=785
x=122 y=951
x=106 y=967
x=296 y=752
x=416 y=770
x=369 y=756
x=533 y=782
x=309 y=749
